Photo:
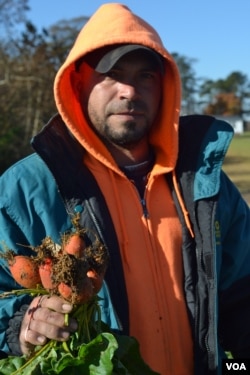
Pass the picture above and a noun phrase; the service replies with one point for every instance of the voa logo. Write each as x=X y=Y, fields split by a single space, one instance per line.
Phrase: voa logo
x=236 y=366
x=230 y=366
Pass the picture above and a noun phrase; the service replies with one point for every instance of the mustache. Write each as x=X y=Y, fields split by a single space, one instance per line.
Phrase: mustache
x=127 y=106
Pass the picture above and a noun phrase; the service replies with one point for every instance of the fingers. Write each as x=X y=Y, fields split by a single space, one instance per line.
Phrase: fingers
x=56 y=303
x=52 y=321
x=39 y=331
x=32 y=338
x=96 y=279
x=45 y=319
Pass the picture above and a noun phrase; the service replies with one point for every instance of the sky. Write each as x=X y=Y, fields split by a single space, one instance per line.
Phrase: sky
x=216 y=33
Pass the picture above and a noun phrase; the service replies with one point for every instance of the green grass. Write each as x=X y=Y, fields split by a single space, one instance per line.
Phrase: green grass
x=237 y=163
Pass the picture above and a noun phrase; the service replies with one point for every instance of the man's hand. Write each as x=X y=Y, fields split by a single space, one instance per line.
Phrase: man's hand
x=44 y=320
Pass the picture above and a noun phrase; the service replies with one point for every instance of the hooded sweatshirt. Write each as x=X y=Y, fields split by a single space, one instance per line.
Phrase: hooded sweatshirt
x=149 y=234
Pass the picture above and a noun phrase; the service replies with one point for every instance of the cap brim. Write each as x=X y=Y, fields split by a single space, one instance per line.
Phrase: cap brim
x=110 y=58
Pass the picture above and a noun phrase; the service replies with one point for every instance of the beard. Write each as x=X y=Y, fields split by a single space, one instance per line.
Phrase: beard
x=121 y=131
x=127 y=135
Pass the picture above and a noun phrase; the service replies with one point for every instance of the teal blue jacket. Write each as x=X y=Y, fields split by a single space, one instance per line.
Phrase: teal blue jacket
x=216 y=262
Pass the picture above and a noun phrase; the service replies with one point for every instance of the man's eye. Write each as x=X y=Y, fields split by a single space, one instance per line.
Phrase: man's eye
x=148 y=75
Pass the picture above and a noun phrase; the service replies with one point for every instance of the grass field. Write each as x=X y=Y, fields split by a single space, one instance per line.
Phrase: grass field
x=237 y=163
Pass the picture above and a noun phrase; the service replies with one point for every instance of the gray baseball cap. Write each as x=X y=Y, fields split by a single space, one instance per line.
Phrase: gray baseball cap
x=109 y=59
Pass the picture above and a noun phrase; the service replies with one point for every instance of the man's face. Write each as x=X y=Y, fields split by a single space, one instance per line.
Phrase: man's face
x=122 y=104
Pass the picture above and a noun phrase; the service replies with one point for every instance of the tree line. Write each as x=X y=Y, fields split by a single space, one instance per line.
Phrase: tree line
x=30 y=58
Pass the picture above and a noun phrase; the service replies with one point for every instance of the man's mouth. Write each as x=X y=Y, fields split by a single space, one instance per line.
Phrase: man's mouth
x=132 y=113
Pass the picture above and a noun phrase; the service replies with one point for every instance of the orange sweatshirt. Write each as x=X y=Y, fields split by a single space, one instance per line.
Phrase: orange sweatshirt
x=150 y=246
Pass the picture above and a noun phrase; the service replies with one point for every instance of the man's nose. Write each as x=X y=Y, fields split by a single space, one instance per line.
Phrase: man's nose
x=128 y=90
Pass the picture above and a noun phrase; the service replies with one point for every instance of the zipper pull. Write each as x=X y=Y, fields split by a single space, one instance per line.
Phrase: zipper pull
x=144 y=208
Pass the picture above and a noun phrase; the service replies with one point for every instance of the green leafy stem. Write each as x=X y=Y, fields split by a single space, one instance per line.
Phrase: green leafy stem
x=92 y=349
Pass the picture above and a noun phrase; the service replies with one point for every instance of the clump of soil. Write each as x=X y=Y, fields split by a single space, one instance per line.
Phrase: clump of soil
x=72 y=270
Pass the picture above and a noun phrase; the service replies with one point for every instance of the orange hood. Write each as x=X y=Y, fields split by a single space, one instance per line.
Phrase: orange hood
x=113 y=24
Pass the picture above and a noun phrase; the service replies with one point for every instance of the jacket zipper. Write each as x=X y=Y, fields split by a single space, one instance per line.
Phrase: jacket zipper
x=144 y=208
x=213 y=354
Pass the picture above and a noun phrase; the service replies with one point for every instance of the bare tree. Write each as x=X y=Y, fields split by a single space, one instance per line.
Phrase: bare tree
x=12 y=12
x=189 y=82
x=28 y=64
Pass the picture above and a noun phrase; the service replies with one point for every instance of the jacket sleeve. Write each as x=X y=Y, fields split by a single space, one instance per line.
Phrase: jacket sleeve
x=13 y=331
x=31 y=209
x=28 y=199
x=10 y=236
x=234 y=270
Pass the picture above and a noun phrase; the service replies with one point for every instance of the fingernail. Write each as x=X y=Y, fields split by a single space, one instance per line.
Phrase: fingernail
x=65 y=335
x=41 y=339
x=66 y=307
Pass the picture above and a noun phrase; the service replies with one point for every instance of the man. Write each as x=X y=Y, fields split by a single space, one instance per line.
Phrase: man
x=151 y=186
